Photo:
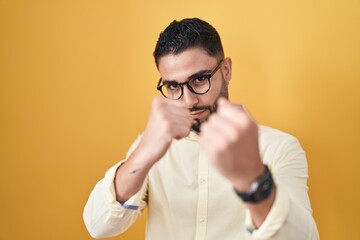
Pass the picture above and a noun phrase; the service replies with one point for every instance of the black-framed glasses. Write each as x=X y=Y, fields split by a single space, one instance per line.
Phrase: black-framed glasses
x=198 y=84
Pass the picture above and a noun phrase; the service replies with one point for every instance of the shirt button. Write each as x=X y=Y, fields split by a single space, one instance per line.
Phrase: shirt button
x=202 y=181
x=201 y=220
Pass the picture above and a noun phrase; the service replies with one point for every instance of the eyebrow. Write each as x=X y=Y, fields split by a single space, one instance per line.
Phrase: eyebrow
x=193 y=76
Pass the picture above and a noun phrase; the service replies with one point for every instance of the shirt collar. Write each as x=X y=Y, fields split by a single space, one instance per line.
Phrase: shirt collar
x=193 y=136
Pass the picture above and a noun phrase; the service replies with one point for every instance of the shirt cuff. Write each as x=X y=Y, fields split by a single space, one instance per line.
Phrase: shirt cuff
x=132 y=203
x=275 y=218
x=118 y=210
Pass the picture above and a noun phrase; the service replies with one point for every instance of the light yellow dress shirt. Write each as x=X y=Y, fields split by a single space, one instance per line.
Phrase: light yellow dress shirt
x=188 y=199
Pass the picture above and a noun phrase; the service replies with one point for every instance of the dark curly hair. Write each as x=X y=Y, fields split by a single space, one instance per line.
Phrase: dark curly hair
x=188 y=33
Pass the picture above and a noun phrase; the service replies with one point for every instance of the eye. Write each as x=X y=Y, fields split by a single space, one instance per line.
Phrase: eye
x=172 y=86
x=200 y=79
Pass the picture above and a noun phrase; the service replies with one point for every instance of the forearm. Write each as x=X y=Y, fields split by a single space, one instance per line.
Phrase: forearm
x=130 y=176
x=163 y=126
x=103 y=215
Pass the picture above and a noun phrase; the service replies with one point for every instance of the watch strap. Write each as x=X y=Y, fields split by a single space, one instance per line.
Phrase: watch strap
x=261 y=188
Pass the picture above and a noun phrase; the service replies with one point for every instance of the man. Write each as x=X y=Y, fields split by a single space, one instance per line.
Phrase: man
x=203 y=166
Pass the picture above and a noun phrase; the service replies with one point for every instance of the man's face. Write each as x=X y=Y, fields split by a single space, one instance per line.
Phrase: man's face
x=195 y=60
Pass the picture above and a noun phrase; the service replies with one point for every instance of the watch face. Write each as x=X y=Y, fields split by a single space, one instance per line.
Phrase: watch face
x=254 y=187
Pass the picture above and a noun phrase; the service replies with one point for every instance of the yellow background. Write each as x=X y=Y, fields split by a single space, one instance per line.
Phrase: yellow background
x=77 y=79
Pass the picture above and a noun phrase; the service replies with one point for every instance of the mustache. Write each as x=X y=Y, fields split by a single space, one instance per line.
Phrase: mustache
x=210 y=108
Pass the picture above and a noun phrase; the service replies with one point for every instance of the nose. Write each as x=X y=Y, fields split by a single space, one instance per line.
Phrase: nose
x=189 y=97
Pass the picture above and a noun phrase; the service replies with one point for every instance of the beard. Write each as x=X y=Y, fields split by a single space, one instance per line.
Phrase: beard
x=211 y=108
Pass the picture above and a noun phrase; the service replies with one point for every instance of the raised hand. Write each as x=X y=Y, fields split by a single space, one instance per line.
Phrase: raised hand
x=169 y=119
x=230 y=140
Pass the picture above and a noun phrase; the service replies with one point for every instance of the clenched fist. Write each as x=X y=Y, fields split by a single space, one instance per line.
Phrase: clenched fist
x=168 y=120
x=230 y=140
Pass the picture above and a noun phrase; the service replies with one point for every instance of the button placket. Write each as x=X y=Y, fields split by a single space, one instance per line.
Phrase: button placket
x=203 y=189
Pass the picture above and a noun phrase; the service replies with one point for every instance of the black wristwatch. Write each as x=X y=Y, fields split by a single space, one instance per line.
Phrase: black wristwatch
x=261 y=188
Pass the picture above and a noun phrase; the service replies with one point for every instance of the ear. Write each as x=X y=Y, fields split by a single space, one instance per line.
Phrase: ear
x=227 y=69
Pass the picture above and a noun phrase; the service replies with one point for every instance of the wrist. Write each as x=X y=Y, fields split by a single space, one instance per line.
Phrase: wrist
x=151 y=151
x=260 y=189
x=142 y=158
x=244 y=184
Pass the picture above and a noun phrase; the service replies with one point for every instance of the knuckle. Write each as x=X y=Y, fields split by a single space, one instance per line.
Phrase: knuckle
x=213 y=119
x=157 y=102
x=250 y=125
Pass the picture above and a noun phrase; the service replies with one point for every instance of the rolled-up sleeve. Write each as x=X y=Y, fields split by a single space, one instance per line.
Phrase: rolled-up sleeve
x=103 y=215
x=291 y=215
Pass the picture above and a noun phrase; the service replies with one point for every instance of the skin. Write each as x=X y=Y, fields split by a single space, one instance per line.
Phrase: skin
x=229 y=137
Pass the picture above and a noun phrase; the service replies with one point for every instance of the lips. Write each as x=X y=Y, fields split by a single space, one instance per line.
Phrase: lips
x=195 y=113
